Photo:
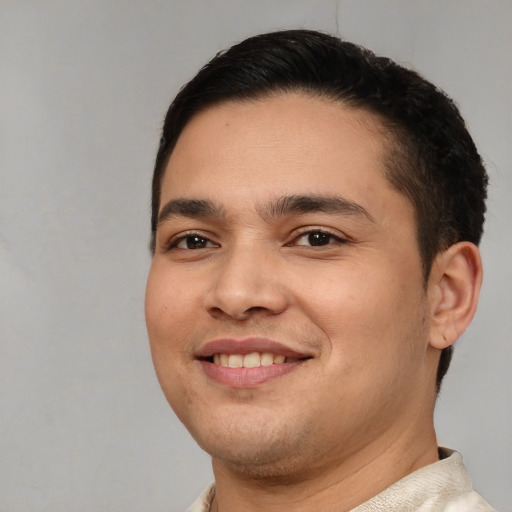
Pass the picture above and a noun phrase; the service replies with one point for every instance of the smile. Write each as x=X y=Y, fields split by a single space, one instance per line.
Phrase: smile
x=249 y=362
x=252 y=360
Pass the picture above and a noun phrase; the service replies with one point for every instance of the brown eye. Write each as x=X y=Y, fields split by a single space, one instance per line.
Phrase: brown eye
x=193 y=241
x=317 y=239
x=196 y=242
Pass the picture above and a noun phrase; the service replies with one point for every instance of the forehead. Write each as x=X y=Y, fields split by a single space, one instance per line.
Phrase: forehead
x=284 y=144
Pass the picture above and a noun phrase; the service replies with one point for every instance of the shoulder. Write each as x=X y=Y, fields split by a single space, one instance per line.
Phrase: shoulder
x=468 y=502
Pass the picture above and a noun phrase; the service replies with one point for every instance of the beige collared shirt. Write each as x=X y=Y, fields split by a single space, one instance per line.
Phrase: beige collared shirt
x=443 y=486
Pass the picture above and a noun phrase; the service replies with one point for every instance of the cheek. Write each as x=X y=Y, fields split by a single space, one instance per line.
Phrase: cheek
x=166 y=320
x=166 y=304
x=168 y=324
x=369 y=318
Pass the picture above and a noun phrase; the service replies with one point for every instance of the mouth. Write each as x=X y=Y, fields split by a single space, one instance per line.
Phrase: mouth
x=251 y=360
x=248 y=363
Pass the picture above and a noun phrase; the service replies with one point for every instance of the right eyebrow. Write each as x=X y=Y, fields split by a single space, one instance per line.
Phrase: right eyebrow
x=308 y=203
x=188 y=208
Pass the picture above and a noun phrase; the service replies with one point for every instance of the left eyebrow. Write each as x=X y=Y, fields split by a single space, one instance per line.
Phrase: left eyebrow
x=301 y=204
x=188 y=208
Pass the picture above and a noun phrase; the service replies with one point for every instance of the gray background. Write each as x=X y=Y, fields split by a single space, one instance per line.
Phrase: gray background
x=83 y=89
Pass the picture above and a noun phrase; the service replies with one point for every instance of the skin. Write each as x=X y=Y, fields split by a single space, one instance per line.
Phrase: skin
x=356 y=416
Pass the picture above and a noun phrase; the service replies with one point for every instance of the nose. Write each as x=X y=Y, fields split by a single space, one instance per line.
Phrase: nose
x=246 y=282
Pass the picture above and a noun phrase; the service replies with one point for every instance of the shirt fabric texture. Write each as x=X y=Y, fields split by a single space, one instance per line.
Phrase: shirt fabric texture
x=440 y=487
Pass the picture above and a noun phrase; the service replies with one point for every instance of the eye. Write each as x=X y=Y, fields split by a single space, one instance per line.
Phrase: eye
x=192 y=241
x=317 y=238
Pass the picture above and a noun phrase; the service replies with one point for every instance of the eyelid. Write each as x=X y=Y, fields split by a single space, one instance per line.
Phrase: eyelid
x=298 y=233
x=179 y=237
x=306 y=230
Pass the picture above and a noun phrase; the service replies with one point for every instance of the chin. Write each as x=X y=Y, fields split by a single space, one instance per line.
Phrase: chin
x=257 y=449
x=238 y=441
x=257 y=463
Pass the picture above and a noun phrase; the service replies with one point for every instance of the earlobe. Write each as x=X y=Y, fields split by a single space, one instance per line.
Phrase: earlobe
x=454 y=287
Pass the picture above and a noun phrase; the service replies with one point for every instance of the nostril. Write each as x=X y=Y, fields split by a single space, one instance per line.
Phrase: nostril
x=256 y=309
x=217 y=312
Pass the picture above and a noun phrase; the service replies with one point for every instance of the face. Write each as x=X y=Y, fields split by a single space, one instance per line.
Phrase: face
x=285 y=304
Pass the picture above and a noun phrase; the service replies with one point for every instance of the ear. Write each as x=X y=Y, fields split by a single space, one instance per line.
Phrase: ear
x=454 y=287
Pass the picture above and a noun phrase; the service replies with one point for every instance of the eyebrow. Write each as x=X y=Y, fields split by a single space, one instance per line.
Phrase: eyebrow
x=281 y=207
x=189 y=208
x=300 y=204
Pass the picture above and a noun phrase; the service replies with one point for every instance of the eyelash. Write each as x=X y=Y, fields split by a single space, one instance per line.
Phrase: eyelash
x=332 y=239
x=335 y=239
x=173 y=244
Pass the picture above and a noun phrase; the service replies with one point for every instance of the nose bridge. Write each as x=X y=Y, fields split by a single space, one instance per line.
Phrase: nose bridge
x=246 y=280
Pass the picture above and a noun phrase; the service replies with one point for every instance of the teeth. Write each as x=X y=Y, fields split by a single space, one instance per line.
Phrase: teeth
x=236 y=361
x=267 y=359
x=252 y=360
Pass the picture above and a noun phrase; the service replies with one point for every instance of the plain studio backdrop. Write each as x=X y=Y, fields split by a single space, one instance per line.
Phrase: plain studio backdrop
x=84 y=86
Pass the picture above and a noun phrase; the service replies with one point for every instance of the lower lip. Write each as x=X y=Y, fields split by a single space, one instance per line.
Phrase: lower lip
x=247 y=377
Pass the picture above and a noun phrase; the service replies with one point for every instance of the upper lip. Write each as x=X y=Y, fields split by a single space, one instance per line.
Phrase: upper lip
x=246 y=346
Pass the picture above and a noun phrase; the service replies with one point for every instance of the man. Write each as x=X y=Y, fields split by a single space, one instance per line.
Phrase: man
x=316 y=216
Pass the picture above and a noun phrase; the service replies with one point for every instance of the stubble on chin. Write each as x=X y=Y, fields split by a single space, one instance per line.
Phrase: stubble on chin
x=269 y=456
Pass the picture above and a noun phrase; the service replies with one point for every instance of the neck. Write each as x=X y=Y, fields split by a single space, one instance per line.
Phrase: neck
x=337 y=487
